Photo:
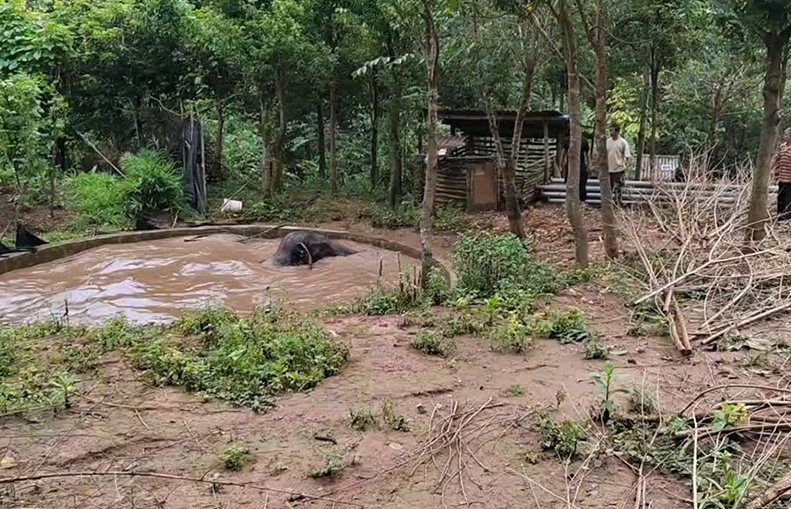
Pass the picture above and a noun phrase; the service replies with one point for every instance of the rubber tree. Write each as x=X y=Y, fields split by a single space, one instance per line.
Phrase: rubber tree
x=770 y=21
x=503 y=41
x=595 y=25
x=432 y=51
x=563 y=14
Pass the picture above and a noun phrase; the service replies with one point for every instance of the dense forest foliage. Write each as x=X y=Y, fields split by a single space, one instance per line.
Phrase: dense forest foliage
x=332 y=94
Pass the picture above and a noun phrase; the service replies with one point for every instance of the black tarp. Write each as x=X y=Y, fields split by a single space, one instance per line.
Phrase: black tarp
x=194 y=165
x=25 y=239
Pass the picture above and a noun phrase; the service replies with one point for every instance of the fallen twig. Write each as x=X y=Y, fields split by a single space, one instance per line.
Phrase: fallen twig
x=157 y=475
x=780 y=489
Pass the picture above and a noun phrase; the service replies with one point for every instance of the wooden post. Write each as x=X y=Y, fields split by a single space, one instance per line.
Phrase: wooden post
x=560 y=142
x=469 y=171
x=546 y=152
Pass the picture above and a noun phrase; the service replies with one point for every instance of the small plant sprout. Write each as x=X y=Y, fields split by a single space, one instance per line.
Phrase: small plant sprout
x=235 y=457
x=595 y=349
x=492 y=305
x=728 y=416
x=362 y=419
x=605 y=387
x=65 y=385
x=392 y=419
x=332 y=469
x=516 y=390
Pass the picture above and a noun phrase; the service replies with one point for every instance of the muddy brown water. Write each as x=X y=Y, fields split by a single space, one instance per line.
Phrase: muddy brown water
x=155 y=281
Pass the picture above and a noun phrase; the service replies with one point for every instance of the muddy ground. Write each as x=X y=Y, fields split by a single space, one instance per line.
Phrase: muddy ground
x=121 y=424
x=124 y=425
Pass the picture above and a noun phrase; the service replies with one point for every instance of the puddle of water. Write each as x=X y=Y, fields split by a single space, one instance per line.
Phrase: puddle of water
x=154 y=281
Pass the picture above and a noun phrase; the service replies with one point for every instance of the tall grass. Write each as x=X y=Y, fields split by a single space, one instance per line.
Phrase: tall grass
x=151 y=185
x=97 y=198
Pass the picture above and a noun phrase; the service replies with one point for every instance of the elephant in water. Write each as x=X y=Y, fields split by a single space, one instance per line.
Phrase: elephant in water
x=305 y=248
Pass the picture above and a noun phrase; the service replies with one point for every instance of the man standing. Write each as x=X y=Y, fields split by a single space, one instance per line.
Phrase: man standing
x=619 y=160
x=782 y=169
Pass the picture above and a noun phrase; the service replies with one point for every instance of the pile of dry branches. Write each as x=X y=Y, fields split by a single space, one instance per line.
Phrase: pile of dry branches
x=764 y=417
x=728 y=283
x=454 y=437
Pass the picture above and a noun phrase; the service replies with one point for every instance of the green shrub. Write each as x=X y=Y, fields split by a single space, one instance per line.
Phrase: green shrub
x=152 y=184
x=483 y=261
x=432 y=343
x=503 y=266
x=512 y=336
x=392 y=419
x=406 y=295
x=595 y=349
x=563 y=438
x=405 y=216
x=568 y=327
x=98 y=199
x=245 y=360
x=235 y=457
x=450 y=218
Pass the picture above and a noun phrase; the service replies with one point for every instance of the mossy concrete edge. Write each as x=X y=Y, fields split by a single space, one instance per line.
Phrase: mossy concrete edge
x=52 y=252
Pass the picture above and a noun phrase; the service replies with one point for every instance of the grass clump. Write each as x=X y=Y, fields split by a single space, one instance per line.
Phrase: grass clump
x=641 y=401
x=332 y=469
x=405 y=216
x=408 y=294
x=595 y=349
x=362 y=419
x=461 y=323
x=431 y=343
x=235 y=457
x=567 y=327
x=245 y=360
x=563 y=438
x=648 y=320
x=37 y=367
x=392 y=419
x=152 y=184
x=516 y=390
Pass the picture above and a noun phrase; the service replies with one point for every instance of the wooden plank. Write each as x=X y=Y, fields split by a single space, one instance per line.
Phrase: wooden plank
x=546 y=152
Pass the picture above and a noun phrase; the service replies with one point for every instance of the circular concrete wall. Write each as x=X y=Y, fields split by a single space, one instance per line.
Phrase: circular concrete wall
x=52 y=252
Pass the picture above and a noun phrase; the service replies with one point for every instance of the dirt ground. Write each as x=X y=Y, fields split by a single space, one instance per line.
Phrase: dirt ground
x=124 y=425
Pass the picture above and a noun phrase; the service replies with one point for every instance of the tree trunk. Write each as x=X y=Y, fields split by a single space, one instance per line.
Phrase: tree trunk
x=322 y=149
x=264 y=145
x=62 y=163
x=375 y=114
x=715 y=104
x=396 y=168
x=641 y=133
x=654 y=109
x=333 y=140
x=600 y=93
x=216 y=168
x=773 y=83
x=427 y=207
x=573 y=209
x=506 y=163
x=280 y=139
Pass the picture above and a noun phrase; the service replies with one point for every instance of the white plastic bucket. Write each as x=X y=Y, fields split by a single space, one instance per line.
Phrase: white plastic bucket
x=231 y=206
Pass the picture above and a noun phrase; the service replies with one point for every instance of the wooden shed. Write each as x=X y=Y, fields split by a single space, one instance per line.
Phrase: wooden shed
x=467 y=171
